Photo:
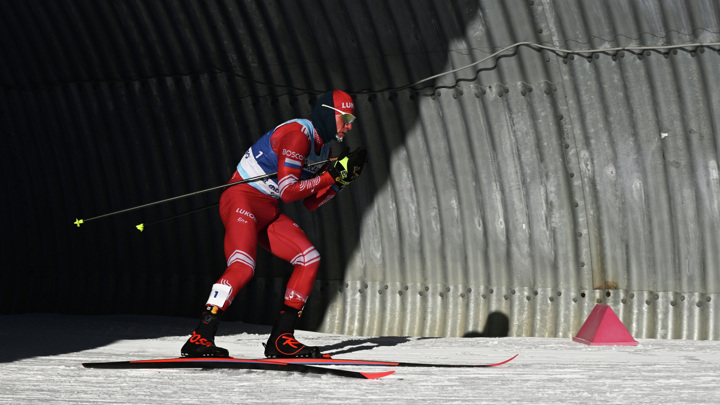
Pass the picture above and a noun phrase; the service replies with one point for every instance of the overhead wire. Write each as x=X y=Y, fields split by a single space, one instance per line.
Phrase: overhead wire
x=532 y=45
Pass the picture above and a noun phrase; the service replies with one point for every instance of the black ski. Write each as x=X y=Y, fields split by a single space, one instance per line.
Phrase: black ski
x=347 y=362
x=245 y=364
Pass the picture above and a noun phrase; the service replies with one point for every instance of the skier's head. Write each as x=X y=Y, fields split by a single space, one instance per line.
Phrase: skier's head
x=333 y=115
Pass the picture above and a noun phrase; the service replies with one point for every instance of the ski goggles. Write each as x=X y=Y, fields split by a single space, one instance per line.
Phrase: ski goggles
x=347 y=118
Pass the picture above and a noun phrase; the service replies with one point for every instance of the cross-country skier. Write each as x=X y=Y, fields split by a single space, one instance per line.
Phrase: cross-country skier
x=251 y=216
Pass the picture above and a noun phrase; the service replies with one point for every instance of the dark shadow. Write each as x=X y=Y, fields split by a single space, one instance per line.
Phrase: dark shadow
x=110 y=105
x=362 y=344
x=497 y=326
x=35 y=335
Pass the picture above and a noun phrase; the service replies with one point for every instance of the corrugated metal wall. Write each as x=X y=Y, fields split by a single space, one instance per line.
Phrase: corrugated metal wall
x=508 y=197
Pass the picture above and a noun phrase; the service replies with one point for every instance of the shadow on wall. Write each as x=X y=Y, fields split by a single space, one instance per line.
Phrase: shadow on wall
x=335 y=228
x=497 y=326
x=131 y=102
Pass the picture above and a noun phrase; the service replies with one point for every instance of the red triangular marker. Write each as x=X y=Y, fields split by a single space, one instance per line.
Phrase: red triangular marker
x=604 y=328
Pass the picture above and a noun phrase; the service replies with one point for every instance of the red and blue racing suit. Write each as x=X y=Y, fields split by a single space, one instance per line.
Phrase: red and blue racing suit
x=251 y=215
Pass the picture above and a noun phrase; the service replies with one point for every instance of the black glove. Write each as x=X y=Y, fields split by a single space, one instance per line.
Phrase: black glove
x=348 y=168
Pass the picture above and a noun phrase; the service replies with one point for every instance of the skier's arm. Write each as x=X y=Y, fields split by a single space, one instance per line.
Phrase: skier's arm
x=345 y=169
x=316 y=200
x=292 y=146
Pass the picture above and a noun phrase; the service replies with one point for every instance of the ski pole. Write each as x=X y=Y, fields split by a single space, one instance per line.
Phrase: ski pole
x=79 y=222
x=141 y=227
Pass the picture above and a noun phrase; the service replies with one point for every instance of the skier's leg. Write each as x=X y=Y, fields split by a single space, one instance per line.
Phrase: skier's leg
x=287 y=241
x=243 y=216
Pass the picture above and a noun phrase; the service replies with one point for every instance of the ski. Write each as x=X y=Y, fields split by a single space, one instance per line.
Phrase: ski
x=348 y=362
x=232 y=363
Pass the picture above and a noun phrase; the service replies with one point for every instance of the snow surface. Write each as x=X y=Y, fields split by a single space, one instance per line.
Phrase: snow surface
x=41 y=356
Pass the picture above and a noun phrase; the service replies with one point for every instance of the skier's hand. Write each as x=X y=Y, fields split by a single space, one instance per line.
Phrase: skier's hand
x=348 y=168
